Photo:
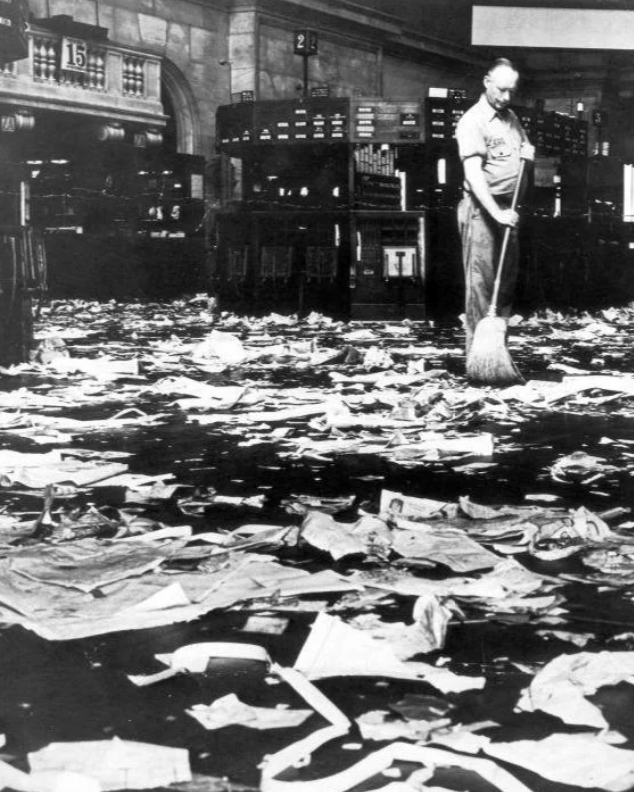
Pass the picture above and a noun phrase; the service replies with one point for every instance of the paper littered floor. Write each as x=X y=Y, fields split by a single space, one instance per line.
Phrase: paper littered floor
x=298 y=554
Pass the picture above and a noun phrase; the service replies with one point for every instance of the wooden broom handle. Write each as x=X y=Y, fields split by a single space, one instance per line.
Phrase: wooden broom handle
x=505 y=241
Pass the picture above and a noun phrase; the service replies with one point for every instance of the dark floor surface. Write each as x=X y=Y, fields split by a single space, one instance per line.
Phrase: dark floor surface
x=78 y=690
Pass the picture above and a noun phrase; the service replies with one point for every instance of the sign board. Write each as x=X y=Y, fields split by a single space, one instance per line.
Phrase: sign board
x=386 y=120
x=305 y=42
x=409 y=119
x=545 y=170
x=563 y=28
x=196 y=186
x=74 y=55
x=322 y=118
x=7 y=123
x=399 y=262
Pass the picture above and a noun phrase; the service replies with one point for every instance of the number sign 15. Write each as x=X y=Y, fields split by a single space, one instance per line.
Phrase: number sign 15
x=74 y=55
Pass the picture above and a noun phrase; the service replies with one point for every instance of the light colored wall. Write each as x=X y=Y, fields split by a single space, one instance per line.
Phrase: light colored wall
x=243 y=51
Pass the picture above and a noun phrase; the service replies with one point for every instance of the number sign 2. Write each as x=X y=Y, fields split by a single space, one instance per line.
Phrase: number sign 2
x=305 y=42
x=74 y=55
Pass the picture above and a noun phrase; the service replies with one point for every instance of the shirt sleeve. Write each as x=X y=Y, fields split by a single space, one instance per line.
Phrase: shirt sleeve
x=470 y=139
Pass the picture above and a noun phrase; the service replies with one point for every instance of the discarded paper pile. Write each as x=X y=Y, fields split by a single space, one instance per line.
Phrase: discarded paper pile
x=123 y=539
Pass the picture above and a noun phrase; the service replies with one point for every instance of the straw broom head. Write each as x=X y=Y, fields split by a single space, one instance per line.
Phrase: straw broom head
x=489 y=361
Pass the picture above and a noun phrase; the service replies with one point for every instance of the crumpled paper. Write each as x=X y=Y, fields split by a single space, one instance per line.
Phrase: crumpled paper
x=561 y=687
x=230 y=711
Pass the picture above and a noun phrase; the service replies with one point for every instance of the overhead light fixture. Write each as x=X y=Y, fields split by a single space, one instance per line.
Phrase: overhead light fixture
x=18 y=121
x=110 y=132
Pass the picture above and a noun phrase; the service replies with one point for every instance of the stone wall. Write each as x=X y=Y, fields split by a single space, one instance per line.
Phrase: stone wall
x=346 y=66
x=404 y=79
x=215 y=47
x=191 y=35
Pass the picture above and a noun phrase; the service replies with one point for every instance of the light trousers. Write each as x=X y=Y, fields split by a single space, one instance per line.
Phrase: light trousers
x=481 y=244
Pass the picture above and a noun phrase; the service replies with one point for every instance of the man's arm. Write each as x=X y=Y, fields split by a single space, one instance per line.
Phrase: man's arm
x=478 y=185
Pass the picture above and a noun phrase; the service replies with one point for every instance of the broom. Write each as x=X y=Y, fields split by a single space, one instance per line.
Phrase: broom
x=489 y=361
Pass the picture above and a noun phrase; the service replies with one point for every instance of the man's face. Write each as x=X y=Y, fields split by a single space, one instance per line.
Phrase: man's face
x=500 y=85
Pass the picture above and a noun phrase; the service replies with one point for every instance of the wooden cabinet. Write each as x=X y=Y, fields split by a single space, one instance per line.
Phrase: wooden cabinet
x=316 y=216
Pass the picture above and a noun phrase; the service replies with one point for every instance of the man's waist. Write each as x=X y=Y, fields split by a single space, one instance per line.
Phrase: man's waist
x=504 y=199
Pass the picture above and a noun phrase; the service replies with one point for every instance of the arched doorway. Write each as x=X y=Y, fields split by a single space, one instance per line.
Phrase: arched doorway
x=179 y=103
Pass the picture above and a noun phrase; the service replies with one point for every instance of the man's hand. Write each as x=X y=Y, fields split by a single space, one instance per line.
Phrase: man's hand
x=507 y=217
x=527 y=151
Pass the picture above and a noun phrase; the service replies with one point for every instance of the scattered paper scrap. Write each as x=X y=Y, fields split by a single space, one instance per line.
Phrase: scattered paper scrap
x=230 y=711
x=579 y=760
x=116 y=764
x=195 y=659
x=561 y=686
x=335 y=649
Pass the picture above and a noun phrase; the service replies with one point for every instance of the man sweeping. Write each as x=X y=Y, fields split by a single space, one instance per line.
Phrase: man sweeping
x=492 y=145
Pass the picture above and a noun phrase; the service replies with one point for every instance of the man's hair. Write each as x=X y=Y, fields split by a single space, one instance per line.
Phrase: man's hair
x=498 y=62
